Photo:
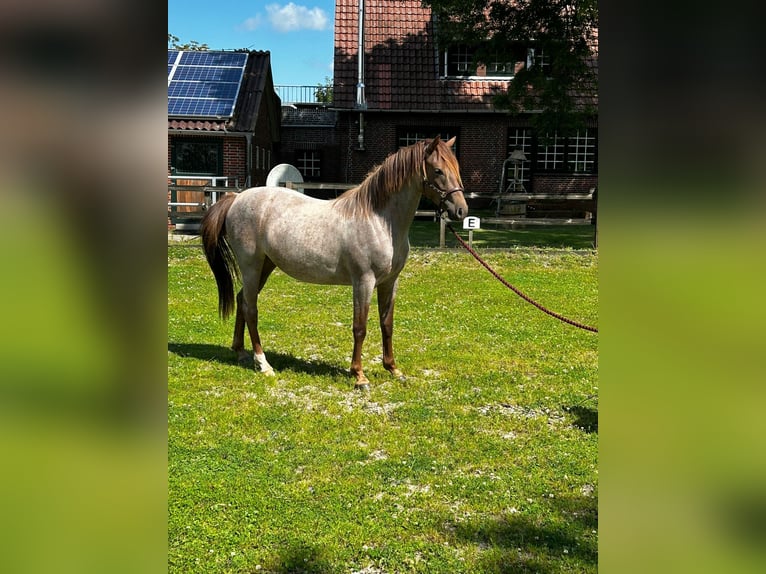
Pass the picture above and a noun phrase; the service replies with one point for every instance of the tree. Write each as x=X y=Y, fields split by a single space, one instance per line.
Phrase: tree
x=194 y=46
x=562 y=37
x=323 y=93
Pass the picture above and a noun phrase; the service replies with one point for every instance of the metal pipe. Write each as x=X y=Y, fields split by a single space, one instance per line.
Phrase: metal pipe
x=361 y=102
x=360 y=138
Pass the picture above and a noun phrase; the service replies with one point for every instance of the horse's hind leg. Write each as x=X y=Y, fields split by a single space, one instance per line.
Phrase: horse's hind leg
x=238 y=341
x=257 y=277
x=386 y=298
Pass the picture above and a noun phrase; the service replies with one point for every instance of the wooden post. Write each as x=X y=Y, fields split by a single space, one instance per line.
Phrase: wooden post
x=442 y=230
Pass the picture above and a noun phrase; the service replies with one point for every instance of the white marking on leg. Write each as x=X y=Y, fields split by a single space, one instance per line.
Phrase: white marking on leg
x=262 y=365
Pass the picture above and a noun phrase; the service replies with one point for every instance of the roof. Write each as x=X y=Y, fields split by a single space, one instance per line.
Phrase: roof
x=401 y=65
x=402 y=62
x=255 y=91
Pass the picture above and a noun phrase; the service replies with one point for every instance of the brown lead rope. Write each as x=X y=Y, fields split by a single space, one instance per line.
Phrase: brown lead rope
x=519 y=293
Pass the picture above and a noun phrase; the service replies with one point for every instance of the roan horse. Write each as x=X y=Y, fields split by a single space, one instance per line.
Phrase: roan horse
x=358 y=239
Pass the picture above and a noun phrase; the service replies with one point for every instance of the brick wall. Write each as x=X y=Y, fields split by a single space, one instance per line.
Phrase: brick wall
x=235 y=159
x=481 y=144
x=482 y=147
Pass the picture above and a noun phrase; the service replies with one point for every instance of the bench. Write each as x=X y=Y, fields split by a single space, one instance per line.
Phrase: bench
x=518 y=204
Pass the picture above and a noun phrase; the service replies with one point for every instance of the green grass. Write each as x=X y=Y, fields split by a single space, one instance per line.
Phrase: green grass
x=483 y=460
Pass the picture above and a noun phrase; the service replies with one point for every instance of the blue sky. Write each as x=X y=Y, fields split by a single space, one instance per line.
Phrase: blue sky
x=299 y=34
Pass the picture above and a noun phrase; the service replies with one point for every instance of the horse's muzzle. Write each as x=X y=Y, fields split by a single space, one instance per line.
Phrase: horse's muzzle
x=456 y=207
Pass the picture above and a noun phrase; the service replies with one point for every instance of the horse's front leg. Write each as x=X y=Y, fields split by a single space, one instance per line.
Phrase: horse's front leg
x=362 y=297
x=386 y=298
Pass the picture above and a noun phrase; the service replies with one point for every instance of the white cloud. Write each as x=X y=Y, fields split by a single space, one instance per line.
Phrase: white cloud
x=291 y=17
x=251 y=23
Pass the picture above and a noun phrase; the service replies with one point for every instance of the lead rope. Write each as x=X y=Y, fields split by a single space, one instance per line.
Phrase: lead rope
x=515 y=290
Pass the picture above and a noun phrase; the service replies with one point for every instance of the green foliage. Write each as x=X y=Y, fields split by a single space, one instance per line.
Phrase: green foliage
x=194 y=45
x=323 y=93
x=483 y=460
x=563 y=31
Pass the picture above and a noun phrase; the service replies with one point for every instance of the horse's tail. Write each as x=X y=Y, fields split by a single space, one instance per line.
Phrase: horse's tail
x=218 y=252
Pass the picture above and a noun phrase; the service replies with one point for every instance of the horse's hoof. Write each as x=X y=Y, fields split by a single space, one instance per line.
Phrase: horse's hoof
x=399 y=375
x=362 y=387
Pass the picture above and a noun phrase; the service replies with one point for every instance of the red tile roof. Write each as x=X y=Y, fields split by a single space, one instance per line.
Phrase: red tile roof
x=401 y=61
x=197 y=125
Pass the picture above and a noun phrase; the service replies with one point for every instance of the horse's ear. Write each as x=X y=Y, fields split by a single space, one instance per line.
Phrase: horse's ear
x=451 y=142
x=431 y=145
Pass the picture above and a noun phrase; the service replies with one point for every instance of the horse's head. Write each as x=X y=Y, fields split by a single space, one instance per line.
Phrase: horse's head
x=441 y=178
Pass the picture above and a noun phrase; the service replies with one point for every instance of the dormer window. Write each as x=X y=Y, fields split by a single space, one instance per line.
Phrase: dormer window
x=459 y=61
x=470 y=61
x=538 y=58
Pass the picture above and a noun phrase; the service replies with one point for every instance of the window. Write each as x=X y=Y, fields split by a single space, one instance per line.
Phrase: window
x=309 y=163
x=266 y=158
x=262 y=158
x=197 y=157
x=463 y=60
x=550 y=156
x=575 y=154
x=519 y=139
x=409 y=135
x=582 y=151
x=536 y=57
x=498 y=67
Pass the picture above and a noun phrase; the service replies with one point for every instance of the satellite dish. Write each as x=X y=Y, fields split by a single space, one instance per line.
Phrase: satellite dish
x=282 y=173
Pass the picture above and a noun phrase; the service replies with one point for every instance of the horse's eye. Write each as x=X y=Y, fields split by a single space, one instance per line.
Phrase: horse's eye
x=437 y=171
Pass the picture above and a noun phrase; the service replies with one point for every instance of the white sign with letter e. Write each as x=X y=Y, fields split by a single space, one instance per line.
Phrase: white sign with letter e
x=471 y=222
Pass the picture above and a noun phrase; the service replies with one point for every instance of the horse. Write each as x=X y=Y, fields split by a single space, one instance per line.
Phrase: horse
x=359 y=238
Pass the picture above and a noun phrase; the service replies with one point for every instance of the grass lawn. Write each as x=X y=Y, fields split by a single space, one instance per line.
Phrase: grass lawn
x=483 y=460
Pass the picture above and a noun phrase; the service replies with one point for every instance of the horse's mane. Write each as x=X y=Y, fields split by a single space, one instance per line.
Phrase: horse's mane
x=382 y=182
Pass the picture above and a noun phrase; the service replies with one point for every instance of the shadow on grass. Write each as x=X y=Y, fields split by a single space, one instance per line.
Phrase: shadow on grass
x=522 y=544
x=585 y=418
x=300 y=559
x=280 y=361
x=425 y=233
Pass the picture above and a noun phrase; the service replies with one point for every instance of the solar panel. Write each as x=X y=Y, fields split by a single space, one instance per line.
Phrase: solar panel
x=203 y=58
x=204 y=84
x=198 y=73
x=221 y=91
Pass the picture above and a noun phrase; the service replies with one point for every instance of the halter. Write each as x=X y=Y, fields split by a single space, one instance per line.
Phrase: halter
x=443 y=193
